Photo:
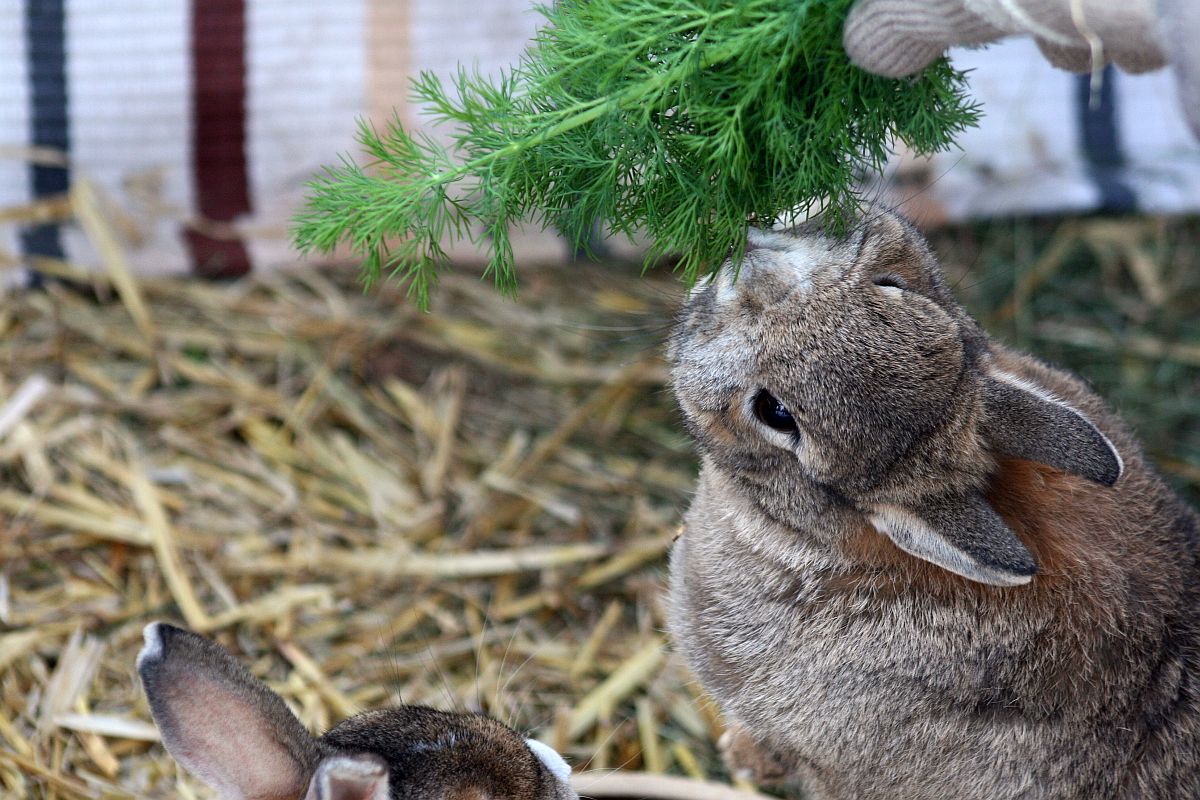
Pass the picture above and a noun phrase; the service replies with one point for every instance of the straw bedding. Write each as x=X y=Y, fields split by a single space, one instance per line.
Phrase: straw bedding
x=368 y=505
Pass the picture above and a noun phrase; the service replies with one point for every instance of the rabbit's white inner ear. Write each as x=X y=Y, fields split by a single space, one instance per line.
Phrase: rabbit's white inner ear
x=357 y=777
x=227 y=743
x=1026 y=421
x=557 y=765
x=919 y=538
x=219 y=722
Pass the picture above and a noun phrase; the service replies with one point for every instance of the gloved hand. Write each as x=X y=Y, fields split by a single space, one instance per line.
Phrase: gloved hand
x=900 y=37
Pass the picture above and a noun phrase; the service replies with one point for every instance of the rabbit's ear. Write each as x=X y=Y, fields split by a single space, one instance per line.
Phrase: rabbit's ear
x=218 y=721
x=962 y=534
x=1026 y=421
x=350 y=777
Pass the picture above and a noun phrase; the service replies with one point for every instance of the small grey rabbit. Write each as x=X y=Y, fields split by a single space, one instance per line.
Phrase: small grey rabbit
x=919 y=564
x=236 y=735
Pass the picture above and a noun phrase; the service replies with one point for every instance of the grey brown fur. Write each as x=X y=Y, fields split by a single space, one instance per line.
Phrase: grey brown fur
x=958 y=578
x=237 y=735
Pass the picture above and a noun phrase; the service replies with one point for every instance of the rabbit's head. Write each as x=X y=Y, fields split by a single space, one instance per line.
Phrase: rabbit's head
x=825 y=376
x=239 y=737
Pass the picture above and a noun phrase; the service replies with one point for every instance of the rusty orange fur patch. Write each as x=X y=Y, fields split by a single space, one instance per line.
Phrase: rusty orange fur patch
x=1058 y=516
x=1065 y=521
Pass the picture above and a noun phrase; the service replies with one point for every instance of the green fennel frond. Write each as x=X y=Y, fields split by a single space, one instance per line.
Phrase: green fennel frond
x=677 y=119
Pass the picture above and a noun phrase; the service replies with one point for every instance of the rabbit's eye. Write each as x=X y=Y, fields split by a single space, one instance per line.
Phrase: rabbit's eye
x=890 y=281
x=772 y=413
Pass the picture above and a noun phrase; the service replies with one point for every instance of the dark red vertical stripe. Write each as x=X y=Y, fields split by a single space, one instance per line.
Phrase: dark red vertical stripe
x=219 y=133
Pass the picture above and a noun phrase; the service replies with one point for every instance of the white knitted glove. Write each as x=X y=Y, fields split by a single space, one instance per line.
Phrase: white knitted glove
x=899 y=37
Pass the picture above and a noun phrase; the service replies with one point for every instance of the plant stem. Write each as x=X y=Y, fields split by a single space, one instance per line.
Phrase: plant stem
x=583 y=114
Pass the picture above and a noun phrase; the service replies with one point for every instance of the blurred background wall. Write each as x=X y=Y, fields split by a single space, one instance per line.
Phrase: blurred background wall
x=200 y=120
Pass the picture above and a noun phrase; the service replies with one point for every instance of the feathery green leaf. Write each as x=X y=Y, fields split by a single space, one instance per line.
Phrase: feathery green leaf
x=679 y=119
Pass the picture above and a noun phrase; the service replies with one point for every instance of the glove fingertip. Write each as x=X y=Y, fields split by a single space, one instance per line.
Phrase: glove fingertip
x=878 y=37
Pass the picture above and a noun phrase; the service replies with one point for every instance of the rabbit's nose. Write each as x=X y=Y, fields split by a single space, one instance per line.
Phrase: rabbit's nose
x=756 y=239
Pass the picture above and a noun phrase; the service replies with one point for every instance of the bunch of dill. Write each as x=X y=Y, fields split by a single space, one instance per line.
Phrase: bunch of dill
x=678 y=119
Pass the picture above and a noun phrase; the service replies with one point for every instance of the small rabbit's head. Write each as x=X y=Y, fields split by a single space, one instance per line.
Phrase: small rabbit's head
x=827 y=375
x=236 y=735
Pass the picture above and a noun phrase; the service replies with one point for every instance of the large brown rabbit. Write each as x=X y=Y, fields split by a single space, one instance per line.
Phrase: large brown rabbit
x=237 y=736
x=919 y=564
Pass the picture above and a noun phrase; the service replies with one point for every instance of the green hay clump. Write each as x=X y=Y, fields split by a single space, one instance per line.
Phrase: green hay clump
x=677 y=119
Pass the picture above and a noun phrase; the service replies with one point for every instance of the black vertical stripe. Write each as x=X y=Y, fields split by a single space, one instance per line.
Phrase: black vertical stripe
x=45 y=38
x=1101 y=142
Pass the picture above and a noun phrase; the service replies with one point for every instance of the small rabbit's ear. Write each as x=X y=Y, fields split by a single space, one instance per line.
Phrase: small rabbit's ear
x=350 y=777
x=962 y=534
x=218 y=721
x=1026 y=421
x=550 y=759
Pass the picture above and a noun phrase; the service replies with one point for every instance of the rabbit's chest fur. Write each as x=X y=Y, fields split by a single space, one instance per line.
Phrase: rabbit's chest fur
x=874 y=690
